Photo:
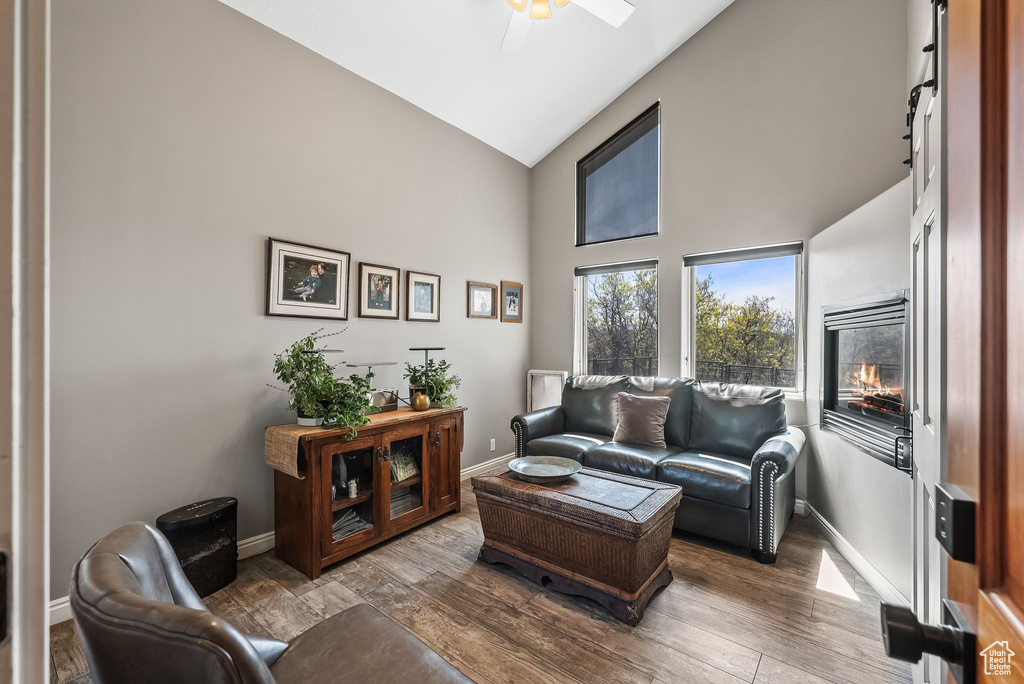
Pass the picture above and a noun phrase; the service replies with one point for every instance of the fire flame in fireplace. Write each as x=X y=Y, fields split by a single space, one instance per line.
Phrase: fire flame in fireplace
x=876 y=395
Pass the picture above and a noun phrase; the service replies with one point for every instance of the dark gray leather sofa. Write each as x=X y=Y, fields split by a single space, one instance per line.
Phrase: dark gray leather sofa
x=140 y=620
x=728 y=449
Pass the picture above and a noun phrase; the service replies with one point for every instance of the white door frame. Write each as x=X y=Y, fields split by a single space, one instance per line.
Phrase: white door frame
x=25 y=336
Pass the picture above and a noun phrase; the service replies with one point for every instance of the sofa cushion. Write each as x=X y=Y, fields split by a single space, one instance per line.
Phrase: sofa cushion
x=567 y=445
x=735 y=419
x=592 y=410
x=628 y=459
x=642 y=420
x=680 y=391
x=709 y=476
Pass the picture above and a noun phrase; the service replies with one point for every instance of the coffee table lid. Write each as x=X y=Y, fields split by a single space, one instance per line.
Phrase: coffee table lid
x=607 y=500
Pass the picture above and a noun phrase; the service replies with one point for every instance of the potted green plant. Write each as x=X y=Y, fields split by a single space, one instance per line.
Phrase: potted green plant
x=434 y=379
x=315 y=394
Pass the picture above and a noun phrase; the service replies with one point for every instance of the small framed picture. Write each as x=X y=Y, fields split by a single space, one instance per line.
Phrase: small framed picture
x=422 y=296
x=511 y=302
x=481 y=300
x=378 y=291
x=305 y=281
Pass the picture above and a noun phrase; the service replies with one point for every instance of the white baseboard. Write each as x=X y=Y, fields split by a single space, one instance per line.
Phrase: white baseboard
x=60 y=609
x=883 y=587
x=254 y=546
x=801 y=508
x=486 y=465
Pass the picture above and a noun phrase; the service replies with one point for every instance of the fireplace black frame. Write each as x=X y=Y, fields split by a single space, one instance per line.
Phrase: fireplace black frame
x=890 y=441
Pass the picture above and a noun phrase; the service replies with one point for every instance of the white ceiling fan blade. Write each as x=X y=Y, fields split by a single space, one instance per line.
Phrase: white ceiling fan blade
x=515 y=34
x=615 y=12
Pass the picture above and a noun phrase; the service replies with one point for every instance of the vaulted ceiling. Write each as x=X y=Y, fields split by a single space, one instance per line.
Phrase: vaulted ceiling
x=444 y=57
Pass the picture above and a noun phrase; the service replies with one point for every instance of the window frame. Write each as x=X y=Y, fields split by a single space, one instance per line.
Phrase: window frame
x=605 y=152
x=688 y=317
x=579 y=306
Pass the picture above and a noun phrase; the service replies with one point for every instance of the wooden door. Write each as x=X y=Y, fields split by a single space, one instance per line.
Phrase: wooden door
x=405 y=476
x=445 y=461
x=350 y=518
x=927 y=310
x=985 y=318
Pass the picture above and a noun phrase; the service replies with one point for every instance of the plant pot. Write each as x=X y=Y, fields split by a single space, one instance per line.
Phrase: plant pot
x=309 y=421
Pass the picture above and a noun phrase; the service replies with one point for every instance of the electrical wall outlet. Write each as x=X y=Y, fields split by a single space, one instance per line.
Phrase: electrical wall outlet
x=492 y=445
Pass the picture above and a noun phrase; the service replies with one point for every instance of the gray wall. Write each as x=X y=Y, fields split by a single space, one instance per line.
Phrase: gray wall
x=777 y=119
x=869 y=503
x=183 y=135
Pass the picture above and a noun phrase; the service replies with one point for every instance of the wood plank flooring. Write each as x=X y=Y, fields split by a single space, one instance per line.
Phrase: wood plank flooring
x=808 y=619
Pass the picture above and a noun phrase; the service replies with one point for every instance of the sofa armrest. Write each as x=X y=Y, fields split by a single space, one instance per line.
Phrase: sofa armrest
x=772 y=492
x=540 y=423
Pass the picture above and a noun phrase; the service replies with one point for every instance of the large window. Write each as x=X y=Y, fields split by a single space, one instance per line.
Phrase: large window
x=617 y=185
x=617 y=319
x=745 y=322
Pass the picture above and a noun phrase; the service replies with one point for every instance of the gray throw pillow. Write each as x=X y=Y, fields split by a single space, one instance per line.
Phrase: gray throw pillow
x=642 y=420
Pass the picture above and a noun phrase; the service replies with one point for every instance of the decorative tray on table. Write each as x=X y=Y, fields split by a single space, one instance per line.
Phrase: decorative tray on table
x=544 y=469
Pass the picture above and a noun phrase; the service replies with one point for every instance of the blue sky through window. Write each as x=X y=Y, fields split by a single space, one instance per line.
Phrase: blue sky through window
x=737 y=280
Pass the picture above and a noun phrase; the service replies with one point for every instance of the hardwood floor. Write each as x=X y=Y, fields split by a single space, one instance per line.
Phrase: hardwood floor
x=726 y=618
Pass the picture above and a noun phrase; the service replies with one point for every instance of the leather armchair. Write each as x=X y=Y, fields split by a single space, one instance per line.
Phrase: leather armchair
x=773 y=491
x=139 y=619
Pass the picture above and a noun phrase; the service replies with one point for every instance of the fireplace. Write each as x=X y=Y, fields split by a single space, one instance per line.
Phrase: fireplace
x=865 y=376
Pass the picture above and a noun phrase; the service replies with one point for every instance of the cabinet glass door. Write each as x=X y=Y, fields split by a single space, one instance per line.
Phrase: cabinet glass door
x=404 y=460
x=349 y=496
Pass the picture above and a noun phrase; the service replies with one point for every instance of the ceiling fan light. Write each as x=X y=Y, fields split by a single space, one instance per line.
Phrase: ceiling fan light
x=540 y=10
x=561 y=3
x=518 y=5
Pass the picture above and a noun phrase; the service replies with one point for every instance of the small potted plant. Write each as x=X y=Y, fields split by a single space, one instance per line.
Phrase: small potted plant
x=316 y=395
x=435 y=380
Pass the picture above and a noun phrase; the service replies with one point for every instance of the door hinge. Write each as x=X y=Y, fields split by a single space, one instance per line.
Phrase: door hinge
x=954 y=522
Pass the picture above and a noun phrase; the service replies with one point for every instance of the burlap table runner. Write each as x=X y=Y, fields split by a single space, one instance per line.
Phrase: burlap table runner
x=281 y=447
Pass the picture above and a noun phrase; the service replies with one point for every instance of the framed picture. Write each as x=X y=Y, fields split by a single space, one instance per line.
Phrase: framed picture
x=378 y=291
x=511 y=302
x=306 y=281
x=481 y=300
x=422 y=296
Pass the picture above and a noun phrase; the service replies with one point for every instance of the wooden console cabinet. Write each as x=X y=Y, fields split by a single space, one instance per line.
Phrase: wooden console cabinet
x=317 y=524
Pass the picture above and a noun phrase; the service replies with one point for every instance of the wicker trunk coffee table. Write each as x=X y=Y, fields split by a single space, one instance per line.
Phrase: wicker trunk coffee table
x=600 y=535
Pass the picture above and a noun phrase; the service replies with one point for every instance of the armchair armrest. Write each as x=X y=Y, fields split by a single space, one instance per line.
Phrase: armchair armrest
x=772 y=491
x=540 y=423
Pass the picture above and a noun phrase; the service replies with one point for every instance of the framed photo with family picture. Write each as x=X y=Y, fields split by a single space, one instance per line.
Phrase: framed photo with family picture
x=306 y=281
x=481 y=300
x=378 y=291
x=511 y=302
x=422 y=296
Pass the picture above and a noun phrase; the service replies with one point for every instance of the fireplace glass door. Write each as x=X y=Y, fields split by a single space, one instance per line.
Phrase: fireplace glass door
x=864 y=378
x=870 y=373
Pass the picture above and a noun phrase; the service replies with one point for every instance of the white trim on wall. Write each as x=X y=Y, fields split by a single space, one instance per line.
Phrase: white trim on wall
x=485 y=466
x=883 y=587
x=60 y=609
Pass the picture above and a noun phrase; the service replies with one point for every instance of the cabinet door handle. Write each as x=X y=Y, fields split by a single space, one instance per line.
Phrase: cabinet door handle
x=380 y=457
x=437 y=439
x=387 y=452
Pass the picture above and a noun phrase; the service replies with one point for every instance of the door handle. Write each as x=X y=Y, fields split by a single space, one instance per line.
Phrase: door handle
x=954 y=641
x=387 y=452
x=380 y=455
x=437 y=439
